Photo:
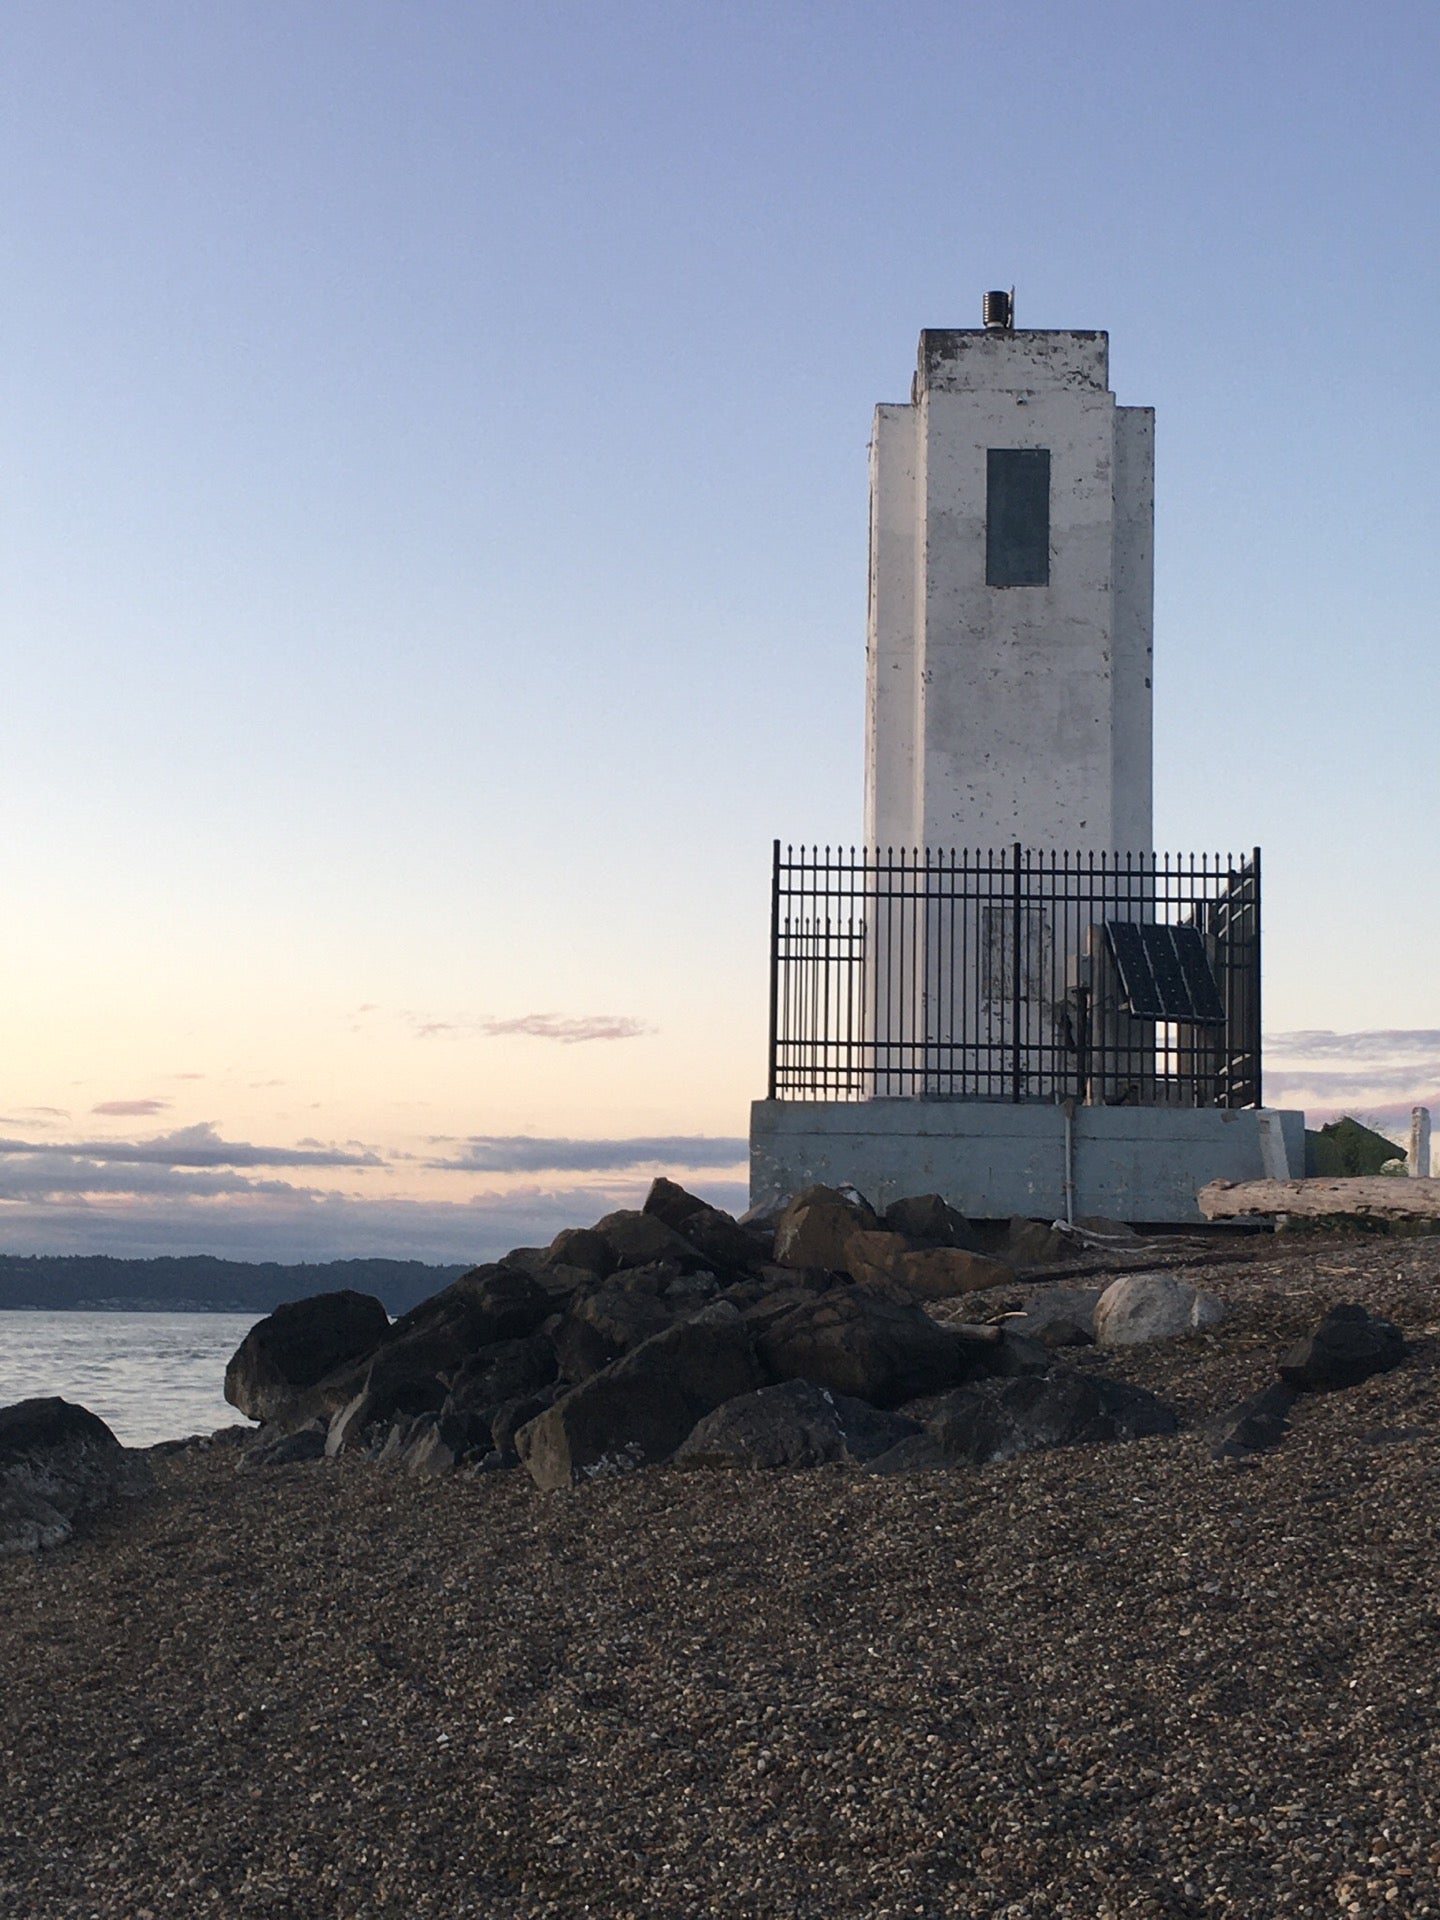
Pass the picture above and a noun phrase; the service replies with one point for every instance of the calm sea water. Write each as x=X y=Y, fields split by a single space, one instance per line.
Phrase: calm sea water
x=149 y=1376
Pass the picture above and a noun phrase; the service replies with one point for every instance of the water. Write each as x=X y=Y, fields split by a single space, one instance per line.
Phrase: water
x=149 y=1376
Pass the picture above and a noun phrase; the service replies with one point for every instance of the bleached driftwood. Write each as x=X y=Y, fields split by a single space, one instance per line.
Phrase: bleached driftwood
x=1380 y=1195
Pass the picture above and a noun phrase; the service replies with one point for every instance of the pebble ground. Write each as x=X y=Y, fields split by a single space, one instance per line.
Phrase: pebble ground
x=1108 y=1682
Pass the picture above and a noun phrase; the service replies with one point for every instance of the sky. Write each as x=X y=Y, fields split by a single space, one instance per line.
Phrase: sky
x=433 y=555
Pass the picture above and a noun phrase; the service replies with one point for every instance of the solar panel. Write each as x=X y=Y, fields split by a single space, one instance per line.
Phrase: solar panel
x=1165 y=973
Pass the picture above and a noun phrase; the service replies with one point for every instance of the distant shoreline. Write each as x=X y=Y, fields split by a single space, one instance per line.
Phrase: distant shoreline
x=204 y=1283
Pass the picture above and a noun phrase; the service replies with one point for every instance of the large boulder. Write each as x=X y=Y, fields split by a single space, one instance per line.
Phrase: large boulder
x=815 y=1229
x=430 y=1344
x=669 y=1202
x=627 y=1309
x=487 y=1304
x=641 y=1408
x=1143 y=1307
x=507 y=1421
x=928 y=1218
x=638 y=1239
x=725 y=1244
x=795 y=1424
x=505 y=1371
x=856 y=1341
x=57 y=1460
x=297 y=1345
x=930 y=1272
x=581 y=1248
x=1347 y=1347
x=996 y=1420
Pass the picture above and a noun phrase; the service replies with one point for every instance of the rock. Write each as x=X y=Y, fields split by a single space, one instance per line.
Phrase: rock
x=1347 y=1347
x=507 y=1421
x=1015 y=1354
x=508 y=1370
x=724 y=1244
x=671 y=1204
x=562 y=1284
x=431 y=1343
x=58 y=1460
x=940 y=1273
x=271 y=1449
x=526 y=1259
x=997 y=1420
x=581 y=1247
x=766 y=1215
x=297 y=1345
x=619 y=1315
x=1037 y=1243
x=795 y=1424
x=435 y=1443
x=1059 y=1316
x=347 y=1427
x=487 y=1304
x=400 y=1380
x=928 y=1218
x=815 y=1229
x=640 y=1240
x=874 y=1254
x=1142 y=1307
x=1257 y=1423
x=927 y=1273
x=641 y=1408
x=856 y=1342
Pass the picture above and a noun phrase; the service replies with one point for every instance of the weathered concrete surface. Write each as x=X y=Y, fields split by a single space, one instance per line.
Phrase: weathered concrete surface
x=998 y=713
x=992 y=1159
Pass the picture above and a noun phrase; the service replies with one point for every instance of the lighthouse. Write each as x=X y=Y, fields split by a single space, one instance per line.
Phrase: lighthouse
x=1005 y=994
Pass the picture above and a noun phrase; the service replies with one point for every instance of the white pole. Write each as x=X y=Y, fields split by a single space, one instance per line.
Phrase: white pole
x=1418 y=1158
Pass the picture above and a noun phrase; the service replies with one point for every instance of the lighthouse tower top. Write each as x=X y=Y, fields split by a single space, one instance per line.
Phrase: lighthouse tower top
x=1010 y=622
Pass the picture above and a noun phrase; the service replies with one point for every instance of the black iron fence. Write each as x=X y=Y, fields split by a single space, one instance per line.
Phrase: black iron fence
x=1015 y=975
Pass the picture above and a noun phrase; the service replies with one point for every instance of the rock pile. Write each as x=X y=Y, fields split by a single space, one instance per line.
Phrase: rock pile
x=678 y=1333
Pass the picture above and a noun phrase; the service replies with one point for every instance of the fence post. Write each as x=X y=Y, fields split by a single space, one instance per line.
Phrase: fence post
x=774 y=967
x=1419 y=1154
x=1016 y=926
x=1256 y=1035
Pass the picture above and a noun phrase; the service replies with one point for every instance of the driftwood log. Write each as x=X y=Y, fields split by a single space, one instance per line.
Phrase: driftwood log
x=1379 y=1195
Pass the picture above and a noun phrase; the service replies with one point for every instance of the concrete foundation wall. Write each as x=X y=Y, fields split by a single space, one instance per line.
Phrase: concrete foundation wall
x=992 y=1159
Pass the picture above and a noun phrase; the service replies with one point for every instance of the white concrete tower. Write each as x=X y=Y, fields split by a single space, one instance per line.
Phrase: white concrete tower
x=1011 y=544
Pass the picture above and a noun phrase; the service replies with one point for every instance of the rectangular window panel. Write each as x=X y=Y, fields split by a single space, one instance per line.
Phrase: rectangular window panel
x=1017 y=517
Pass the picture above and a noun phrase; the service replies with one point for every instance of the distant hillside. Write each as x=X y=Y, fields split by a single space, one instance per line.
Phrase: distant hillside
x=201 y=1284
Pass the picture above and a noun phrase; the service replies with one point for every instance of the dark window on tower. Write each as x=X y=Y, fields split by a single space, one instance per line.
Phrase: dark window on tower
x=1017 y=517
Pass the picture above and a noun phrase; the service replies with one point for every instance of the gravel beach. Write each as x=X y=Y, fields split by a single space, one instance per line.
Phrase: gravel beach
x=1115 y=1681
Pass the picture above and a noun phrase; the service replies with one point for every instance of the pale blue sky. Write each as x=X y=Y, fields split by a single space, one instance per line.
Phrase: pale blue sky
x=432 y=539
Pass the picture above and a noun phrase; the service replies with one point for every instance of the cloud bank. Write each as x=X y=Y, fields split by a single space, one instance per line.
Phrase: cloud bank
x=569 y=1030
x=197 y=1146
x=1377 y=1074
x=520 y=1153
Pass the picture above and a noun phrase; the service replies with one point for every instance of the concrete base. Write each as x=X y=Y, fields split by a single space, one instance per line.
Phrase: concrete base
x=991 y=1159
